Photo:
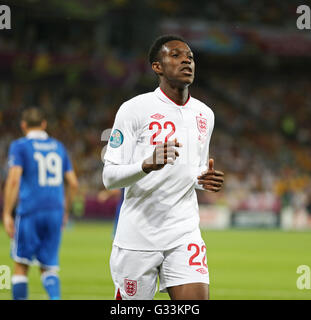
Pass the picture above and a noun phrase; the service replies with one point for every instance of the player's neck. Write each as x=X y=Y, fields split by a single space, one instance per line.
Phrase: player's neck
x=178 y=95
x=33 y=129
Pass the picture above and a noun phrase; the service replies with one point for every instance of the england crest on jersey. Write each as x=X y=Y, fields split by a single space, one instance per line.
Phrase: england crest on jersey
x=202 y=125
x=130 y=287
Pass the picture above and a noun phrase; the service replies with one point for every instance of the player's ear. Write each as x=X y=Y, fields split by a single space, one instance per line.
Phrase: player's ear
x=157 y=68
x=44 y=124
x=23 y=125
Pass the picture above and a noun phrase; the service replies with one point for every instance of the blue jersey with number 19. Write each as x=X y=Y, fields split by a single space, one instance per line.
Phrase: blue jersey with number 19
x=44 y=161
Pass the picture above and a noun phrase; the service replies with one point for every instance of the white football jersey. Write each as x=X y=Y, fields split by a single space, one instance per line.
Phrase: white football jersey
x=160 y=210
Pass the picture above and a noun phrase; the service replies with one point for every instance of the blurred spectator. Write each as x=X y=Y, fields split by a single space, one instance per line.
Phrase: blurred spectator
x=80 y=78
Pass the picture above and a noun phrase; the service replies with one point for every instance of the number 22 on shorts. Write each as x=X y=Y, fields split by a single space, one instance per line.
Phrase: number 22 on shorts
x=195 y=260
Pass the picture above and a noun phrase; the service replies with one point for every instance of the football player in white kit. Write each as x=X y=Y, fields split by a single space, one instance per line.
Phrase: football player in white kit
x=158 y=151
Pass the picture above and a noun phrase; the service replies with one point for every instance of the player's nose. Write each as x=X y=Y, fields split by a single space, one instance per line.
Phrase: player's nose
x=186 y=60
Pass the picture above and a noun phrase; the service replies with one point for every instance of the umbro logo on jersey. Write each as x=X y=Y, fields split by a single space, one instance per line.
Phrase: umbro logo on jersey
x=157 y=116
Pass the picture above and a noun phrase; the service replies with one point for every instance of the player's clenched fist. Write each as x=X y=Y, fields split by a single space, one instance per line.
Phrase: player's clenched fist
x=8 y=223
x=211 y=180
x=163 y=154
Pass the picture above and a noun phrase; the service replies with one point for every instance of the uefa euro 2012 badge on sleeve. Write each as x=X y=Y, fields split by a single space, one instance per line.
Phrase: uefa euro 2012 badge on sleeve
x=116 y=139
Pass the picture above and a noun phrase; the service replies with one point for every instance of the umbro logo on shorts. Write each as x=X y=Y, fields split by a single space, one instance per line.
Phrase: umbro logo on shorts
x=201 y=270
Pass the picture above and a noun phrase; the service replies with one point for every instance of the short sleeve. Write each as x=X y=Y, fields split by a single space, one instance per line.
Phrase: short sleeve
x=123 y=138
x=15 y=157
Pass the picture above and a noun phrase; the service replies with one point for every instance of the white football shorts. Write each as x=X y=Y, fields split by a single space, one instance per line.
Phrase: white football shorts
x=135 y=273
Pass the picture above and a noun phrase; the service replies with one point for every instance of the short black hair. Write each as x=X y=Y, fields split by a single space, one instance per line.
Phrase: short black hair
x=158 y=43
x=33 y=117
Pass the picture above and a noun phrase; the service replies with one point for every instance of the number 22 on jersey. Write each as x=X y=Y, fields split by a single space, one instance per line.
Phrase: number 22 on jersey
x=167 y=125
x=49 y=169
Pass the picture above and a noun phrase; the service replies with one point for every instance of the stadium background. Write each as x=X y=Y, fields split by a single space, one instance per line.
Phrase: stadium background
x=79 y=60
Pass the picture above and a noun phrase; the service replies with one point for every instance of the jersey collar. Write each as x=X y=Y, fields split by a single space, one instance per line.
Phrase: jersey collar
x=37 y=134
x=162 y=96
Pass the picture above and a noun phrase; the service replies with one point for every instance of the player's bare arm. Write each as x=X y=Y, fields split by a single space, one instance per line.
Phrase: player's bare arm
x=163 y=154
x=211 y=179
x=10 y=196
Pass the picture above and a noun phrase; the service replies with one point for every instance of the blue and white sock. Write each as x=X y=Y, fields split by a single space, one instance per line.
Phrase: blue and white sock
x=51 y=283
x=19 y=287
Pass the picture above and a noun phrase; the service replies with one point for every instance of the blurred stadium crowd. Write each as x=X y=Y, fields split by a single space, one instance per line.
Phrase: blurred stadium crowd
x=74 y=70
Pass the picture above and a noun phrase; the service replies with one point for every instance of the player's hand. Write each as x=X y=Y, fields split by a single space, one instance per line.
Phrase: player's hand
x=65 y=219
x=162 y=155
x=211 y=180
x=8 y=223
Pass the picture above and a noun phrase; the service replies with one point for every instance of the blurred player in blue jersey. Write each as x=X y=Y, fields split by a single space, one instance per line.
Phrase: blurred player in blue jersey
x=38 y=166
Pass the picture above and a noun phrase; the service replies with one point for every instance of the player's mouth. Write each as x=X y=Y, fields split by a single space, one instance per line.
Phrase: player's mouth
x=186 y=71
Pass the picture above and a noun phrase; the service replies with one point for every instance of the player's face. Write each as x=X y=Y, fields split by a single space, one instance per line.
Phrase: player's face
x=177 y=63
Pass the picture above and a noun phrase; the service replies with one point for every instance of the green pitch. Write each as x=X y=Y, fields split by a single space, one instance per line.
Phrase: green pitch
x=243 y=264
